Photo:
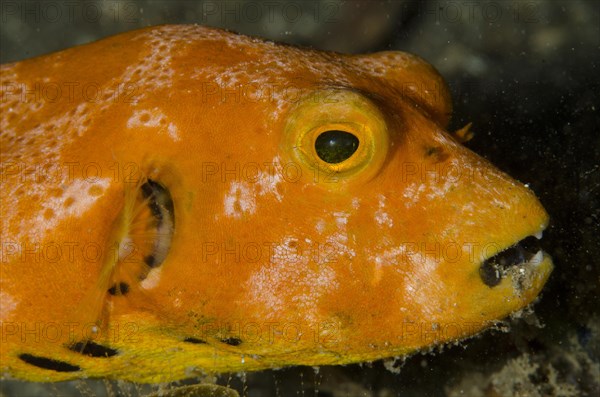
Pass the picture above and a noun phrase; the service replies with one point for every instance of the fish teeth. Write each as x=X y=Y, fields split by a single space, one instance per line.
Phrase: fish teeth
x=538 y=235
x=537 y=258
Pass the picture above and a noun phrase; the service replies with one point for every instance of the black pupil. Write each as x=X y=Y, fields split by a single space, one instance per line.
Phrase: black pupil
x=336 y=146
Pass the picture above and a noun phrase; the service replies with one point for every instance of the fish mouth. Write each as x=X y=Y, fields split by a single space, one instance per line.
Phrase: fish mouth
x=520 y=261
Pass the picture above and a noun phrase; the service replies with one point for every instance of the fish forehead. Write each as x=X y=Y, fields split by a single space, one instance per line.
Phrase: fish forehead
x=199 y=67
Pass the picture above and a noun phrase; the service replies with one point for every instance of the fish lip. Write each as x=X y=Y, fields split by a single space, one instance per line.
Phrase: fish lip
x=519 y=260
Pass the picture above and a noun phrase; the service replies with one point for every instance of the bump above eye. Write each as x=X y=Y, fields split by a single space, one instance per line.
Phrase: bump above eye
x=335 y=146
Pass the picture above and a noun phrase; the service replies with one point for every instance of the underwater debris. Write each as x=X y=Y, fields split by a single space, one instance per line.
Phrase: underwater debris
x=200 y=390
x=570 y=368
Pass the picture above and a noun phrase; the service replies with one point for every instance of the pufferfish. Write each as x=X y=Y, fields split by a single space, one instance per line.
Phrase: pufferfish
x=181 y=200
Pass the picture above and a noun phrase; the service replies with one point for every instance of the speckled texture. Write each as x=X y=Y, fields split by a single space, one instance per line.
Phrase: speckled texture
x=528 y=82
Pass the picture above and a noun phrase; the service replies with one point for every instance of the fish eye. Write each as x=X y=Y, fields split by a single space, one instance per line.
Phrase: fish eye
x=336 y=136
x=335 y=146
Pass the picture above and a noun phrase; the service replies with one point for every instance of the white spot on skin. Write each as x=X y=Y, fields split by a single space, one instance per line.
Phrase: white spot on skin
x=241 y=197
x=382 y=217
x=239 y=200
x=154 y=118
x=263 y=286
x=422 y=284
x=412 y=194
x=336 y=244
x=270 y=178
x=428 y=187
x=288 y=251
x=172 y=129
x=291 y=267
x=78 y=190
x=177 y=302
x=382 y=67
x=154 y=69
x=419 y=271
x=441 y=191
x=396 y=256
x=152 y=279
x=501 y=204
x=274 y=85
x=320 y=226
x=341 y=219
x=51 y=136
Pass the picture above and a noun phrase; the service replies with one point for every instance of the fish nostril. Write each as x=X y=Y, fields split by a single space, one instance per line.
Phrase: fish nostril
x=436 y=153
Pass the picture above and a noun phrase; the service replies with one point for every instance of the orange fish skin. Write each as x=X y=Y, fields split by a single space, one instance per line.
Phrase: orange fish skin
x=273 y=257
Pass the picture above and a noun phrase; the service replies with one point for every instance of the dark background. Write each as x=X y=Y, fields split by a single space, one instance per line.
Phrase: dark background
x=524 y=72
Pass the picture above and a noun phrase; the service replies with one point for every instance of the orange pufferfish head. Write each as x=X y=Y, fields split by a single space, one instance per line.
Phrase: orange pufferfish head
x=252 y=206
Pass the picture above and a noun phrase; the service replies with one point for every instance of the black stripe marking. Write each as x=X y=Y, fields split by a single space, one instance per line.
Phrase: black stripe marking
x=149 y=191
x=232 y=341
x=150 y=260
x=119 y=289
x=197 y=341
x=93 y=349
x=48 y=363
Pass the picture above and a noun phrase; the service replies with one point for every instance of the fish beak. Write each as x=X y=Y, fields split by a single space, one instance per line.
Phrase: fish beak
x=524 y=264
